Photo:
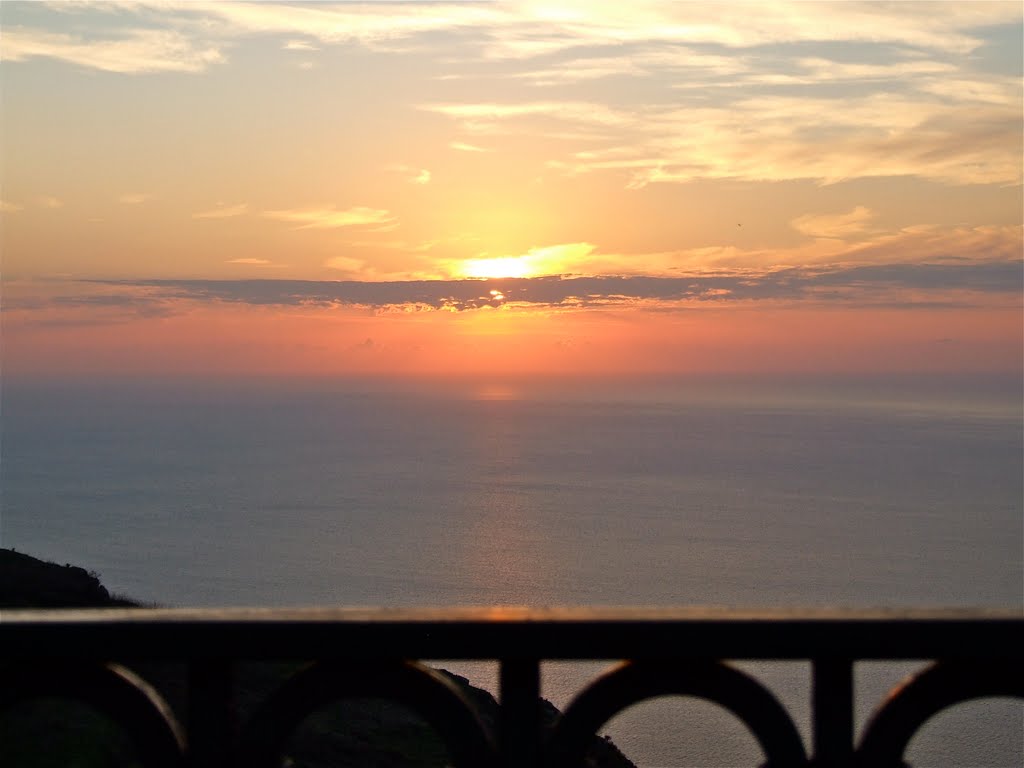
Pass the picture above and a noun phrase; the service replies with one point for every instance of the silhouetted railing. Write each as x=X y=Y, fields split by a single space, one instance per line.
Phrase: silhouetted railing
x=372 y=653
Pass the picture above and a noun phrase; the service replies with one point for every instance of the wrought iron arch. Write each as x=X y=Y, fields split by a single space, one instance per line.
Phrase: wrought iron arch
x=713 y=681
x=424 y=691
x=925 y=694
x=111 y=689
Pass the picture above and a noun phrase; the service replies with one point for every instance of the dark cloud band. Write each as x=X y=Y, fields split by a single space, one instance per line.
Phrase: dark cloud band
x=857 y=284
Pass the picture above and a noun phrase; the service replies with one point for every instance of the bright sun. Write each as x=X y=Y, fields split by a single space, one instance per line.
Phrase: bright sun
x=500 y=266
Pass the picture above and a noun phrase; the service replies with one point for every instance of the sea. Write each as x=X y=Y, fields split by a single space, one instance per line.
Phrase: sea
x=852 y=491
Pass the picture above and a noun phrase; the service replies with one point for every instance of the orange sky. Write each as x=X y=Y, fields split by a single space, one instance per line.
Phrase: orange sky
x=681 y=188
x=504 y=341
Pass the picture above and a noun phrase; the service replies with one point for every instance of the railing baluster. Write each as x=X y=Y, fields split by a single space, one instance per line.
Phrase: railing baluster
x=211 y=725
x=832 y=703
x=978 y=652
x=520 y=712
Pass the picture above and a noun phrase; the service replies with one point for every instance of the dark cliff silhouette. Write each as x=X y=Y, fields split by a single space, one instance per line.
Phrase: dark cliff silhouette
x=354 y=734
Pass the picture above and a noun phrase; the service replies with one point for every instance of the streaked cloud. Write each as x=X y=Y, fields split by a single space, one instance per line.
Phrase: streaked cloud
x=340 y=23
x=331 y=218
x=133 y=51
x=462 y=146
x=48 y=201
x=256 y=262
x=774 y=138
x=134 y=198
x=8 y=207
x=223 y=212
x=838 y=225
x=906 y=285
x=346 y=264
x=527 y=28
x=193 y=34
x=299 y=45
x=481 y=114
x=748 y=107
x=413 y=174
x=567 y=25
x=675 y=61
x=940 y=245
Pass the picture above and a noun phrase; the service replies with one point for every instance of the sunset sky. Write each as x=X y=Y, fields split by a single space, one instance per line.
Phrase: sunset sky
x=511 y=188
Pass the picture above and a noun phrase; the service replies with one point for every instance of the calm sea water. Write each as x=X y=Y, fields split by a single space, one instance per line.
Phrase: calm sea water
x=880 y=492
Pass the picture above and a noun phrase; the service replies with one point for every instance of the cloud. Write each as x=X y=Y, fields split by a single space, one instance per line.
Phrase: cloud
x=751 y=92
x=413 y=174
x=74 y=304
x=482 y=113
x=525 y=29
x=345 y=264
x=554 y=28
x=462 y=146
x=771 y=137
x=677 y=62
x=134 y=198
x=48 y=201
x=835 y=225
x=222 y=212
x=895 y=284
x=900 y=80
x=940 y=245
x=135 y=51
x=193 y=33
x=331 y=218
x=299 y=45
x=6 y=207
x=340 y=24
x=261 y=262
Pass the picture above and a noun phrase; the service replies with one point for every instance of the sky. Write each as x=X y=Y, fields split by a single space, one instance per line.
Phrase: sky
x=532 y=188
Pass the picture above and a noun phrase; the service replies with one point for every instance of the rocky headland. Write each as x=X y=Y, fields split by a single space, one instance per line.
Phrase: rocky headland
x=357 y=733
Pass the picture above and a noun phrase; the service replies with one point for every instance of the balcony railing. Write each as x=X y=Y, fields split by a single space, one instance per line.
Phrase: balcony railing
x=374 y=654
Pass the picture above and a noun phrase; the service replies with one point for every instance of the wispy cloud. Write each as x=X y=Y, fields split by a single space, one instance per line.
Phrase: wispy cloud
x=462 y=146
x=49 y=201
x=924 y=244
x=346 y=264
x=657 y=60
x=134 y=198
x=413 y=174
x=341 y=23
x=906 y=285
x=478 y=114
x=774 y=137
x=902 y=113
x=331 y=218
x=135 y=51
x=223 y=212
x=741 y=25
x=299 y=45
x=7 y=207
x=252 y=261
x=195 y=32
x=838 y=225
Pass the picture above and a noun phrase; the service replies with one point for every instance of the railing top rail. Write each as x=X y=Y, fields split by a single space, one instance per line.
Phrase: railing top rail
x=510 y=632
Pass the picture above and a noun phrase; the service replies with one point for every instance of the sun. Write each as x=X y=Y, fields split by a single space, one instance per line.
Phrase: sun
x=499 y=266
x=561 y=259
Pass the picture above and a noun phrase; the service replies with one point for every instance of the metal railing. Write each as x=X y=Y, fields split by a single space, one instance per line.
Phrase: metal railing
x=374 y=653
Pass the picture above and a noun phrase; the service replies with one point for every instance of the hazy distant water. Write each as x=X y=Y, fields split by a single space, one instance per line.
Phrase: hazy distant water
x=861 y=493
